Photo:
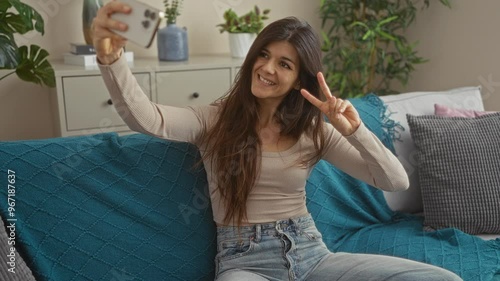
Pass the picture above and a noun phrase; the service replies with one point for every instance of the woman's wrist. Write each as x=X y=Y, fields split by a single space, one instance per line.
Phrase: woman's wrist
x=354 y=130
x=109 y=59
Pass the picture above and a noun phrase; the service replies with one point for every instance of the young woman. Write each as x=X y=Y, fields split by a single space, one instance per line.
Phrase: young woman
x=259 y=144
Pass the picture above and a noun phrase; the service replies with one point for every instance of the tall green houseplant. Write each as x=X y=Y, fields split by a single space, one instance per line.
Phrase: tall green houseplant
x=29 y=63
x=365 y=45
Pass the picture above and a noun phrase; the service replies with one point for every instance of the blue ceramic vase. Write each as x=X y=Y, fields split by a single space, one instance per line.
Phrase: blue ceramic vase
x=89 y=11
x=172 y=43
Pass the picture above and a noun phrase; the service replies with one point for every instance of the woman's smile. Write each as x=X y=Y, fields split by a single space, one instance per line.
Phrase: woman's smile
x=266 y=81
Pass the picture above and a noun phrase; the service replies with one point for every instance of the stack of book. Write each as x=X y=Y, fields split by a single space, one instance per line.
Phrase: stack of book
x=84 y=55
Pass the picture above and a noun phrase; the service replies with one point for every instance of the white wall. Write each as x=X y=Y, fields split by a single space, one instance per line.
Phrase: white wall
x=462 y=46
x=25 y=111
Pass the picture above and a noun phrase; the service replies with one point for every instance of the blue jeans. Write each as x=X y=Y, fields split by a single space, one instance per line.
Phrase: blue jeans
x=294 y=250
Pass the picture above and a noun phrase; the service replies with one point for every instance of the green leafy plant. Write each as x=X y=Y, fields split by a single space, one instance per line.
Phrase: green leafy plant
x=172 y=10
x=365 y=47
x=29 y=63
x=251 y=22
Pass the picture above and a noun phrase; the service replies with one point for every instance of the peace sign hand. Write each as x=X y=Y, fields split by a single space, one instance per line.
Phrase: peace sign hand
x=342 y=115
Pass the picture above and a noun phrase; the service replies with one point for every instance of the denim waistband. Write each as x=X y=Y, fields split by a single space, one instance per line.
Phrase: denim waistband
x=292 y=224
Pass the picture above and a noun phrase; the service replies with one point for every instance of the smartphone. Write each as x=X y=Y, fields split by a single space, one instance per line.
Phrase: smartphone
x=142 y=22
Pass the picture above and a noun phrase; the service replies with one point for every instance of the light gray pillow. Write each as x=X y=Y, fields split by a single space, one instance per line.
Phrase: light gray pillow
x=458 y=160
x=420 y=103
x=19 y=270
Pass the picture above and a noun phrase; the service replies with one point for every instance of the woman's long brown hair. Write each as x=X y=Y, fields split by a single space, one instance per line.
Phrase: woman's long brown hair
x=232 y=143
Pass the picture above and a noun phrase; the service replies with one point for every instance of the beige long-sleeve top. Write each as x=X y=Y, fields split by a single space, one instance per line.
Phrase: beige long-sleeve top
x=279 y=191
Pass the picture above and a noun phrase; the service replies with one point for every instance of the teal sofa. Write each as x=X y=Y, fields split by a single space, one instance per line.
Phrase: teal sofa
x=134 y=207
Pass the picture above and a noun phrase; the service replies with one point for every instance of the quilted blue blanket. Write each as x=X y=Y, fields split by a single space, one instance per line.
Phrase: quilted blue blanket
x=106 y=207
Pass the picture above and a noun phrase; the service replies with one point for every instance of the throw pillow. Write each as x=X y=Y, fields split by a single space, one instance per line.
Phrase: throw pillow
x=459 y=164
x=443 y=110
x=13 y=266
x=420 y=103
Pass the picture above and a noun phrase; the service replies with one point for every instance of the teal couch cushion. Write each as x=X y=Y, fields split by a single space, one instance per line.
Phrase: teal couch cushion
x=101 y=207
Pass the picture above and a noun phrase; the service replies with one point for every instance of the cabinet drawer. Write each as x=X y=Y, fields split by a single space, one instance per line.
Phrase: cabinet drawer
x=86 y=102
x=193 y=87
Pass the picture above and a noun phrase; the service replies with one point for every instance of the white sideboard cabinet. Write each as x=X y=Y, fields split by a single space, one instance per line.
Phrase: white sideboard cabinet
x=81 y=104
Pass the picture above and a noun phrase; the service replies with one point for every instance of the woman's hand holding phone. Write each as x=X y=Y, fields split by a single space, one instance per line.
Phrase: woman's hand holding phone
x=123 y=19
x=109 y=45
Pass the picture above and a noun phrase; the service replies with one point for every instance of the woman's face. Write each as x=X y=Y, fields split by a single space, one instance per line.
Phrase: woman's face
x=275 y=72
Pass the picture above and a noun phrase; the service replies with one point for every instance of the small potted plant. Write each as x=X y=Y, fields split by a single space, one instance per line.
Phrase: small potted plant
x=172 y=40
x=242 y=29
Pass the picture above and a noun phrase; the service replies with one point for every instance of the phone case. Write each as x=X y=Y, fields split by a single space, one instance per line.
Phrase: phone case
x=142 y=22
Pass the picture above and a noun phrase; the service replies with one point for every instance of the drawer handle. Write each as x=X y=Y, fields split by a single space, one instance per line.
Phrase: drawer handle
x=196 y=95
x=110 y=102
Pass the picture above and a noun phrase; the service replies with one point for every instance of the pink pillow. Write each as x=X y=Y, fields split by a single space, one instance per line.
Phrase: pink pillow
x=442 y=110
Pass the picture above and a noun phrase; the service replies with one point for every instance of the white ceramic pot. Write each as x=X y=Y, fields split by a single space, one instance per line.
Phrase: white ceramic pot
x=240 y=43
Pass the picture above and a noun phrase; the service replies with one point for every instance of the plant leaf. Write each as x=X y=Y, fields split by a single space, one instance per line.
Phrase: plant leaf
x=27 y=18
x=387 y=35
x=4 y=6
x=358 y=23
x=446 y=3
x=368 y=34
x=387 y=20
x=9 y=56
x=251 y=22
x=34 y=66
x=15 y=24
x=39 y=23
x=25 y=13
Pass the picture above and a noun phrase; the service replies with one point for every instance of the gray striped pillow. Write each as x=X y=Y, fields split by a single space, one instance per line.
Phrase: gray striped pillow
x=459 y=171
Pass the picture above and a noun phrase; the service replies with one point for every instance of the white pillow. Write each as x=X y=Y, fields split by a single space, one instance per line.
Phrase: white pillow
x=420 y=103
